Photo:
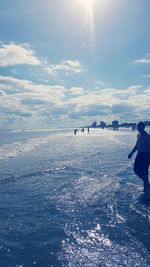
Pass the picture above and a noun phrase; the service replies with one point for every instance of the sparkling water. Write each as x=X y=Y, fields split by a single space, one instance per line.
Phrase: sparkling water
x=69 y=200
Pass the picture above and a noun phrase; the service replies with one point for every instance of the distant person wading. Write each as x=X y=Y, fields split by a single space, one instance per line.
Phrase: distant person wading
x=142 y=160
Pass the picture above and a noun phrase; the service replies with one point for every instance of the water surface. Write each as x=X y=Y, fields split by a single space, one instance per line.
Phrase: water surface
x=71 y=200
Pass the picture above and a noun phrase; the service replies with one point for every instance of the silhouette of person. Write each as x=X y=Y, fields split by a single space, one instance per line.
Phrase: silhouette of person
x=142 y=159
x=75 y=131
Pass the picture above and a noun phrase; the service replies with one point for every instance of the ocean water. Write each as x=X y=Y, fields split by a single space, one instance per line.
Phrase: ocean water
x=71 y=201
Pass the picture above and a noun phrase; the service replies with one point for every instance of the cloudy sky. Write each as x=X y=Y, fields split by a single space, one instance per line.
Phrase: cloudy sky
x=72 y=62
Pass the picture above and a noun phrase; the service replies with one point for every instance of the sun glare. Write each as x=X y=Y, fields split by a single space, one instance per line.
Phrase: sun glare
x=86 y=4
x=87 y=7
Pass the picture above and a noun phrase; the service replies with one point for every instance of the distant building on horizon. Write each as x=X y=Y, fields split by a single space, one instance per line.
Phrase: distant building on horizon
x=94 y=124
x=115 y=125
x=102 y=124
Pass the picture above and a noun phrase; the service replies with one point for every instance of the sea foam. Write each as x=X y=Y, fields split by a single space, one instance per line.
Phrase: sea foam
x=14 y=149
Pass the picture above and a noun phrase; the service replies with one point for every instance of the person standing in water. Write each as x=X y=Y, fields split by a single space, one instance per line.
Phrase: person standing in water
x=142 y=159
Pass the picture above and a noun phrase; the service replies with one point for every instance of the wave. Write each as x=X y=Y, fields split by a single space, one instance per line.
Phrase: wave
x=14 y=149
x=16 y=178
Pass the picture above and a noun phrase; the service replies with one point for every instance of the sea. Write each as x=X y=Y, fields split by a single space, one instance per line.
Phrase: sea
x=71 y=200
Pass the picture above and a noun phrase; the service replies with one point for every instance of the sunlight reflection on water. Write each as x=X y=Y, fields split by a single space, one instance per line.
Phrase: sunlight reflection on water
x=74 y=203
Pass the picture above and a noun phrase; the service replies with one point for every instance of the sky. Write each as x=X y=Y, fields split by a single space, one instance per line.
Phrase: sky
x=67 y=63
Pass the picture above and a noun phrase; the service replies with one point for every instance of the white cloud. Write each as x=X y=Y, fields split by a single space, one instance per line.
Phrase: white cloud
x=134 y=89
x=146 y=75
x=142 y=61
x=68 y=66
x=30 y=101
x=74 y=91
x=25 y=88
x=126 y=103
x=97 y=97
x=145 y=60
x=10 y=82
x=13 y=54
x=100 y=84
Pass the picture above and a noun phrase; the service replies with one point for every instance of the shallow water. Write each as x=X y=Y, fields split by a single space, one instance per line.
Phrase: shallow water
x=72 y=201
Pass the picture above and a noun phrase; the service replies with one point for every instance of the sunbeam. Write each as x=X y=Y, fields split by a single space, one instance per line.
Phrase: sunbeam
x=88 y=16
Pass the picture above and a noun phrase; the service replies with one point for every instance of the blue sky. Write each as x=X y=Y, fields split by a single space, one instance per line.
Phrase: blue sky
x=69 y=63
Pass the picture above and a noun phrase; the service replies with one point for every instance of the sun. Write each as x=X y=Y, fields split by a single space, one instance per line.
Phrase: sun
x=86 y=3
